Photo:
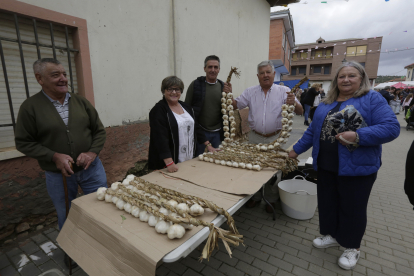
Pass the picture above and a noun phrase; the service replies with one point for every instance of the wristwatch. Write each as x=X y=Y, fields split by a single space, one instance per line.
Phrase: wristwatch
x=356 y=138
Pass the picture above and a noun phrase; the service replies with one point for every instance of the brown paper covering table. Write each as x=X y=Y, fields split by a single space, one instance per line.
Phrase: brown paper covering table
x=96 y=237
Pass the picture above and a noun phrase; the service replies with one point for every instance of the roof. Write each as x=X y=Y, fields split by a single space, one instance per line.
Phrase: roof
x=273 y=3
x=332 y=41
x=287 y=22
x=409 y=66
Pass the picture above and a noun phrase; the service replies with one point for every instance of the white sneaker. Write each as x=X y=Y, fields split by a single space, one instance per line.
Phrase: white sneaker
x=325 y=242
x=349 y=259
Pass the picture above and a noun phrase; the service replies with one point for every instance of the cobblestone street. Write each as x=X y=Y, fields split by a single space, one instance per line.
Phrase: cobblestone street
x=281 y=247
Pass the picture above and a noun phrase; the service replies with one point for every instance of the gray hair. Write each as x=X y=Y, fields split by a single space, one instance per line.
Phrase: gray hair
x=40 y=64
x=363 y=89
x=212 y=57
x=265 y=64
x=387 y=88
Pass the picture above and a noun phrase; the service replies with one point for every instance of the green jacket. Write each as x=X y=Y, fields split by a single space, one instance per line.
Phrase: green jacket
x=40 y=131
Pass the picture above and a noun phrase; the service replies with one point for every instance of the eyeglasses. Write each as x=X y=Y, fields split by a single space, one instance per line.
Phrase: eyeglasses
x=177 y=90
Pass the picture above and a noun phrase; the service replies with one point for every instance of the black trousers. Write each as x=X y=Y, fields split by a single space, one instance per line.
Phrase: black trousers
x=342 y=203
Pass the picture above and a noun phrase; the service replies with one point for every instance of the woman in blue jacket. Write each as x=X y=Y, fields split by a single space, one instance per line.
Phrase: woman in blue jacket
x=346 y=134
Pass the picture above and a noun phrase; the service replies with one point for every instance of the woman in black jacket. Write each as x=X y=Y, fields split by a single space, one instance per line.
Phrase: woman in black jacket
x=309 y=99
x=174 y=131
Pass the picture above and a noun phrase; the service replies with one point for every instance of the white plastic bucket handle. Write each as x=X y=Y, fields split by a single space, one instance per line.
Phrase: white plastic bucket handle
x=300 y=177
x=302 y=191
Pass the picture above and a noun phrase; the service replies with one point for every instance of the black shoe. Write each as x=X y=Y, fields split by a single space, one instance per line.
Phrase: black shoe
x=66 y=259
x=306 y=123
x=251 y=203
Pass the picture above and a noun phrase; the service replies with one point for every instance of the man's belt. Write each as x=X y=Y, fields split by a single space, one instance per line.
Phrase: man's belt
x=268 y=134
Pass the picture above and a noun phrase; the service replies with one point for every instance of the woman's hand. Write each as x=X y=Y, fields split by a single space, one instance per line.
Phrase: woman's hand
x=347 y=135
x=172 y=168
x=293 y=154
x=211 y=148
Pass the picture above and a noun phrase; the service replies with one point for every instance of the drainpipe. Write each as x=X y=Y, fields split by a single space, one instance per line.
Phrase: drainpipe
x=173 y=35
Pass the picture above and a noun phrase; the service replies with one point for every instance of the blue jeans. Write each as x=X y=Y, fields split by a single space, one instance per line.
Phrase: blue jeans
x=213 y=138
x=307 y=110
x=89 y=180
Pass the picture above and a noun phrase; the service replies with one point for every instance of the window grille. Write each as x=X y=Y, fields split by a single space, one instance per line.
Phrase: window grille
x=24 y=40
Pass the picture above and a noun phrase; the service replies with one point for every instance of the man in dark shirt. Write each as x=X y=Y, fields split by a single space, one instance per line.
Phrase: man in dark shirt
x=204 y=96
x=386 y=94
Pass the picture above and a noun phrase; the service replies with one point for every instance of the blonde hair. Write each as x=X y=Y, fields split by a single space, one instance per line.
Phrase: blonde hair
x=364 y=88
x=315 y=85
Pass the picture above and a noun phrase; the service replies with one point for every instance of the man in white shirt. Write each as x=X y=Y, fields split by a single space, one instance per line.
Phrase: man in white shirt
x=265 y=119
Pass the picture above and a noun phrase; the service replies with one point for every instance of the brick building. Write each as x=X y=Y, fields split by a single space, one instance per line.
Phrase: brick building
x=281 y=41
x=320 y=60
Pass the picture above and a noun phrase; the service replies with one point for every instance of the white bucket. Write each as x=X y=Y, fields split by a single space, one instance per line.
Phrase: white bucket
x=298 y=197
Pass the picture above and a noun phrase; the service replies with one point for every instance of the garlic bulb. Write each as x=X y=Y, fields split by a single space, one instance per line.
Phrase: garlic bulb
x=288 y=135
x=226 y=128
x=235 y=164
x=263 y=148
x=291 y=108
x=257 y=147
x=172 y=202
x=196 y=210
x=285 y=114
x=201 y=157
x=229 y=101
x=211 y=160
x=290 y=116
x=242 y=165
x=229 y=164
x=276 y=144
x=130 y=176
x=206 y=159
x=233 y=124
x=100 y=193
x=222 y=162
x=229 y=95
x=217 y=161
x=155 y=207
x=290 y=122
x=126 y=181
x=233 y=130
x=175 y=231
x=249 y=166
x=257 y=168
x=223 y=106
x=224 y=111
x=226 y=134
x=284 y=134
x=108 y=198
x=223 y=100
x=144 y=216
x=270 y=147
x=183 y=207
x=224 y=94
x=280 y=140
x=290 y=129
x=231 y=118
x=284 y=121
x=154 y=197
x=128 y=207
x=114 y=186
x=164 y=211
x=135 y=211
x=285 y=107
x=225 y=123
x=162 y=227
x=285 y=127
x=120 y=204
x=114 y=199
x=230 y=107
x=187 y=226
x=152 y=220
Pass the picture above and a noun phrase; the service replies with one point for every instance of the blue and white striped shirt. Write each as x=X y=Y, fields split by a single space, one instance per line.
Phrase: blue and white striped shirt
x=62 y=109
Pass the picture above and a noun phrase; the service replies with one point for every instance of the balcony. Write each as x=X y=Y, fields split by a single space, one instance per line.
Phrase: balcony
x=274 y=3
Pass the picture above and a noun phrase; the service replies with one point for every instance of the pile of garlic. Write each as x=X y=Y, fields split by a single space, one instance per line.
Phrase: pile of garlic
x=249 y=156
x=173 y=231
x=229 y=123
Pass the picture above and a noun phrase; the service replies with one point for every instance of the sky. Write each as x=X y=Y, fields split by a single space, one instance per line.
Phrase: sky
x=341 y=19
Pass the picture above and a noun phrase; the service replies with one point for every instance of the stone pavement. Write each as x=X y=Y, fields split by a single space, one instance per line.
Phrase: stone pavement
x=281 y=247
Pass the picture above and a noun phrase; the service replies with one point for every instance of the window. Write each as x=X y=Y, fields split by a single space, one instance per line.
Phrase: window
x=318 y=54
x=283 y=40
x=302 y=70
x=23 y=40
x=298 y=70
x=328 y=53
x=304 y=55
x=317 y=69
x=293 y=73
x=327 y=69
x=356 y=51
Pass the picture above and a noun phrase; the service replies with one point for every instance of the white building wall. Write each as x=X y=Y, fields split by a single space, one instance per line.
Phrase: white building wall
x=132 y=47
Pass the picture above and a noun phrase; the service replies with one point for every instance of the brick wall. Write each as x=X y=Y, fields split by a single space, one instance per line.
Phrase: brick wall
x=275 y=39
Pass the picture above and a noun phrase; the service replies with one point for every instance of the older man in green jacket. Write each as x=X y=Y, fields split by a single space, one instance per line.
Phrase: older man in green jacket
x=58 y=128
